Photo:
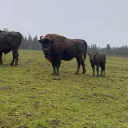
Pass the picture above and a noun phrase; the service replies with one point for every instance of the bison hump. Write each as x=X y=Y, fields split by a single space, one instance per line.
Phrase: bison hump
x=54 y=36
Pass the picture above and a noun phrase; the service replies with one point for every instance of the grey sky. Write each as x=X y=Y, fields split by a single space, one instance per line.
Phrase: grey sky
x=97 y=21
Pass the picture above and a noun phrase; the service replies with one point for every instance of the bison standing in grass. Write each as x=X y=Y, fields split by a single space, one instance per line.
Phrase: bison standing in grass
x=10 y=41
x=99 y=60
x=57 y=48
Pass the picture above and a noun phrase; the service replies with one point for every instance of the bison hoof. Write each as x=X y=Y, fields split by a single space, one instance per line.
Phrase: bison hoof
x=11 y=64
x=15 y=64
x=57 y=74
x=77 y=73
x=1 y=63
x=83 y=72
x=53 y=73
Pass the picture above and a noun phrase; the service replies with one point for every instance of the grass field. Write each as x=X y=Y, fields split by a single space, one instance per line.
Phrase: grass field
x=30 y=98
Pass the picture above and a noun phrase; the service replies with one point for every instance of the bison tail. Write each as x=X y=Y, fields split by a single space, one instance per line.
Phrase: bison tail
x=84 y=56
x=85 y=52
x=20 y=38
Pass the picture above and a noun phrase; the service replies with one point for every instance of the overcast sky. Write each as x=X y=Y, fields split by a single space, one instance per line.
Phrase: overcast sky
x=96 y=21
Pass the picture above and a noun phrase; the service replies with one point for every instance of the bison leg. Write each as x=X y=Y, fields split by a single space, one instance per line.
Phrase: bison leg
x=93 y=68
x=54 y=69
x=15 y=57
x=83 y=66
x=104 y=73
x=97 y=69
x=104 y=70
x=56 y=66
x=101 y=71
x=1 y=62
x=78 y=58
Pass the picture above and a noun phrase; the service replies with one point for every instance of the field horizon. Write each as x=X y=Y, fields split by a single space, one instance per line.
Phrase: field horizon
x=31 y=98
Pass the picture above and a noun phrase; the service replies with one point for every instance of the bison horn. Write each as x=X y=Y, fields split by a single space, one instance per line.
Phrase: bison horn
x=41 y=37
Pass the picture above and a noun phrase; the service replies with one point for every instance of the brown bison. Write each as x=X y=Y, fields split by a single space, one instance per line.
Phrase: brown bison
x=57 y=48
x=10 y=41
x=98 y=60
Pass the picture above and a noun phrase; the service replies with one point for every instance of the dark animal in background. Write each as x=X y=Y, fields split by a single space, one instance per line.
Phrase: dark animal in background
x=57 y=48
x=10 y=41
x=98 y=60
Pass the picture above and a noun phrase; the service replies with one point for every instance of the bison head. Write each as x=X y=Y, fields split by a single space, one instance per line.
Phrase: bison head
x=92 y=57
x=46 y=45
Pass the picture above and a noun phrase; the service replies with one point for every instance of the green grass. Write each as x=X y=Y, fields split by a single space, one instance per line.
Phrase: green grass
x=30 y=98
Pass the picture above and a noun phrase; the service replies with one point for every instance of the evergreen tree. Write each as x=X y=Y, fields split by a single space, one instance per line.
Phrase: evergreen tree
x=5 y=29
x=36 y=45
x=29 y=42
x=108 y=49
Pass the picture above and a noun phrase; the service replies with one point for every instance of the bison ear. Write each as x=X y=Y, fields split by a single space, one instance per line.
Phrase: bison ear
x=40 y=41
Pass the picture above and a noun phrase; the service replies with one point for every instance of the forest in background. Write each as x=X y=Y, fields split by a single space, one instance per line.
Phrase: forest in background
x=31 y=43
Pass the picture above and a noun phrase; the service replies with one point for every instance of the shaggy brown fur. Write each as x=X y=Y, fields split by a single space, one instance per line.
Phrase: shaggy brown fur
x=54 y=36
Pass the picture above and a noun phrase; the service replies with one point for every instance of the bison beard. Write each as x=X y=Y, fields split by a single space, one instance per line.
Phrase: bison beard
x=62 y=48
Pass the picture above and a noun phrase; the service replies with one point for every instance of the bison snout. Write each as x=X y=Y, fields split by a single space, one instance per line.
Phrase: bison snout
x=45 y=50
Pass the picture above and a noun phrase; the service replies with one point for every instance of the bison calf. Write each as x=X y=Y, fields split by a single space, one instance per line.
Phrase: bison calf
x=98 y=60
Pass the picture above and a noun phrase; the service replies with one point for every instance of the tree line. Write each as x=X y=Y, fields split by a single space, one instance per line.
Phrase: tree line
x=108 y=50
x=31 y=43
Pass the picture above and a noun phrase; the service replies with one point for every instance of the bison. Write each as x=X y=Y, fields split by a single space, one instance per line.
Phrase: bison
x=10 y=41
x=56 y=48
x=98 y=60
